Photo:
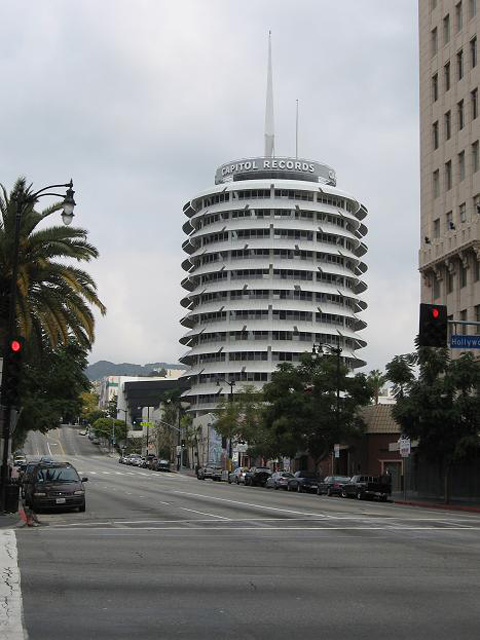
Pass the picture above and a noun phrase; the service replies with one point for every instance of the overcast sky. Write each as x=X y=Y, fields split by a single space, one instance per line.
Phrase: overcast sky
x=140 y=101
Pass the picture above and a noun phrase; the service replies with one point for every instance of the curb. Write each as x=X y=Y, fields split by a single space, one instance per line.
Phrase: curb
x=445 y=507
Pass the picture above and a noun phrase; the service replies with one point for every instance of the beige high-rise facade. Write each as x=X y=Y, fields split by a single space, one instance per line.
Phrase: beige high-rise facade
x=449 y=256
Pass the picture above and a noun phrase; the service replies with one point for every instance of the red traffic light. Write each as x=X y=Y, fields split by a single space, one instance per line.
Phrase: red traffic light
x=15 y=345
x=435 y=313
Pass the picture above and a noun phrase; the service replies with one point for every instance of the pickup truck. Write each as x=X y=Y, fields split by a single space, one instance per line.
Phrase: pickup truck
x=367 y=487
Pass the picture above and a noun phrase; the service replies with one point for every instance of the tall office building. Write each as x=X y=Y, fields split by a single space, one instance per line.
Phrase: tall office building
x=274 y=266
x=449 y=256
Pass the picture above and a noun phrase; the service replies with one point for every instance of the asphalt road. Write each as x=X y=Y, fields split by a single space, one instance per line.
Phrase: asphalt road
x=160 y=555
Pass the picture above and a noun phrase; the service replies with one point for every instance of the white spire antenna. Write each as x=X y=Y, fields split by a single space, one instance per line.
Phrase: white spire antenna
x=296 y=133
x=269 y=120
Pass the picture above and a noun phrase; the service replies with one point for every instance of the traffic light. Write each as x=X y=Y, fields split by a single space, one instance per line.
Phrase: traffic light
x=433 y=327
x=12 y=370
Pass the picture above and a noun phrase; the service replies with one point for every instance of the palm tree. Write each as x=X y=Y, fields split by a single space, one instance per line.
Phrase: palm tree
x=376 y=380
x=54 y=298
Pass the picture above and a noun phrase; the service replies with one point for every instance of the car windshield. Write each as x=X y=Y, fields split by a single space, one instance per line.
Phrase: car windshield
x=57 y=474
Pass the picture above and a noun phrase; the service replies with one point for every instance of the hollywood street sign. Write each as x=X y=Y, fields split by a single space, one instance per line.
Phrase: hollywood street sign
x=464 y=342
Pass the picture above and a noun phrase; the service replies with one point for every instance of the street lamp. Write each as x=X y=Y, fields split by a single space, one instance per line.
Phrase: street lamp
x=148 y=424
x=23 y=200
x=317 y=349
x=231 y=384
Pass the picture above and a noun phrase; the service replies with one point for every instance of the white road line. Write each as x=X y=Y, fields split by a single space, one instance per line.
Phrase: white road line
x=202 y=513
x=11 y=610
x=269 y=529
x=107 y=473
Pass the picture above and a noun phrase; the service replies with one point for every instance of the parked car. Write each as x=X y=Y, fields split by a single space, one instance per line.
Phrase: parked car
x=95 y=441
x=332 y=485
x=257 y=476
x=304 y=481
x=209 y=471
x=148 y=461
x=55 y=485
x=367 y=487
x=237 y=476
x=19 y=459
x=161 y=465
x=131 y=458
x=278 y=480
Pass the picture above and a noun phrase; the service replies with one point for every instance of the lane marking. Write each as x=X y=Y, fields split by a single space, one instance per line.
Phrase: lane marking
x=314 y=514
x=233 y=529
x=202 y=513
x=11 y=609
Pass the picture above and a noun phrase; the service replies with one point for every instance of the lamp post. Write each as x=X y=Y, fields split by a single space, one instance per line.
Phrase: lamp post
x=148 y=425
x=231 y=384
x=23 y=200
x=317 y=349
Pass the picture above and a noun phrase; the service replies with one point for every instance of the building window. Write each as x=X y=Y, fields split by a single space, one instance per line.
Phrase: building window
x=463 y=317
x=436 y=288
x=435 y=87
x=460 y=115
x=446 y=29
x=436 y=183
x=449 y=282
x=477 y=318
x=474 y=103
x=462 y=212
x=436 y=228
x=475 y=157
x=446 y=76
x=434 y=41
x=472 y=8
x=473 y=52
x=460 y=68
x=461 y=166
x=463 y=278
x=459 y=16
x=448 y=175
x=448 y=125
x=435 y=135
x=449 y=219
x=476 y=204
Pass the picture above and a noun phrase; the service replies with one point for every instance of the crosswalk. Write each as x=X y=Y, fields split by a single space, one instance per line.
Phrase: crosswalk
x=144 y=474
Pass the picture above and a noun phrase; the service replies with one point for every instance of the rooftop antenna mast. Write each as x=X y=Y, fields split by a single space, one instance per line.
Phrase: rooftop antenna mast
x=269 y=120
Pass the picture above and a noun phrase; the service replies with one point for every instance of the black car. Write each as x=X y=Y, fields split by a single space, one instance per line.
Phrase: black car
x=304 y=481
x=332 y=485
x=161 y=465
x=278 y=480
x=55 y=485
x=257 y=476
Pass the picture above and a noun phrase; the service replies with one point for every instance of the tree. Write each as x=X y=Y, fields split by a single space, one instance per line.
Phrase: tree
x=53 y=297
x=53 y=382
x=302 y=412
x=109 y=428
x=438 y=404
x=376 y=379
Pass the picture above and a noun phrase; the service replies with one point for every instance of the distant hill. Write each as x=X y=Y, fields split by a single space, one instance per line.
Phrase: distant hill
x=104 y=368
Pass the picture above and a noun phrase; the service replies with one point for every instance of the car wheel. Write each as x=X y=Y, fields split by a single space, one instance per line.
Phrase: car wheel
x=343 y=494
x=229 y=481
x=360 y=495
x=81 y=508
x=299 y=488
x=237 y=481
x=329 y=492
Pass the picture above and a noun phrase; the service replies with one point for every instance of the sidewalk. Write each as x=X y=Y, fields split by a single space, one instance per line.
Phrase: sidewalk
x=9 y=520
x=472 y=506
